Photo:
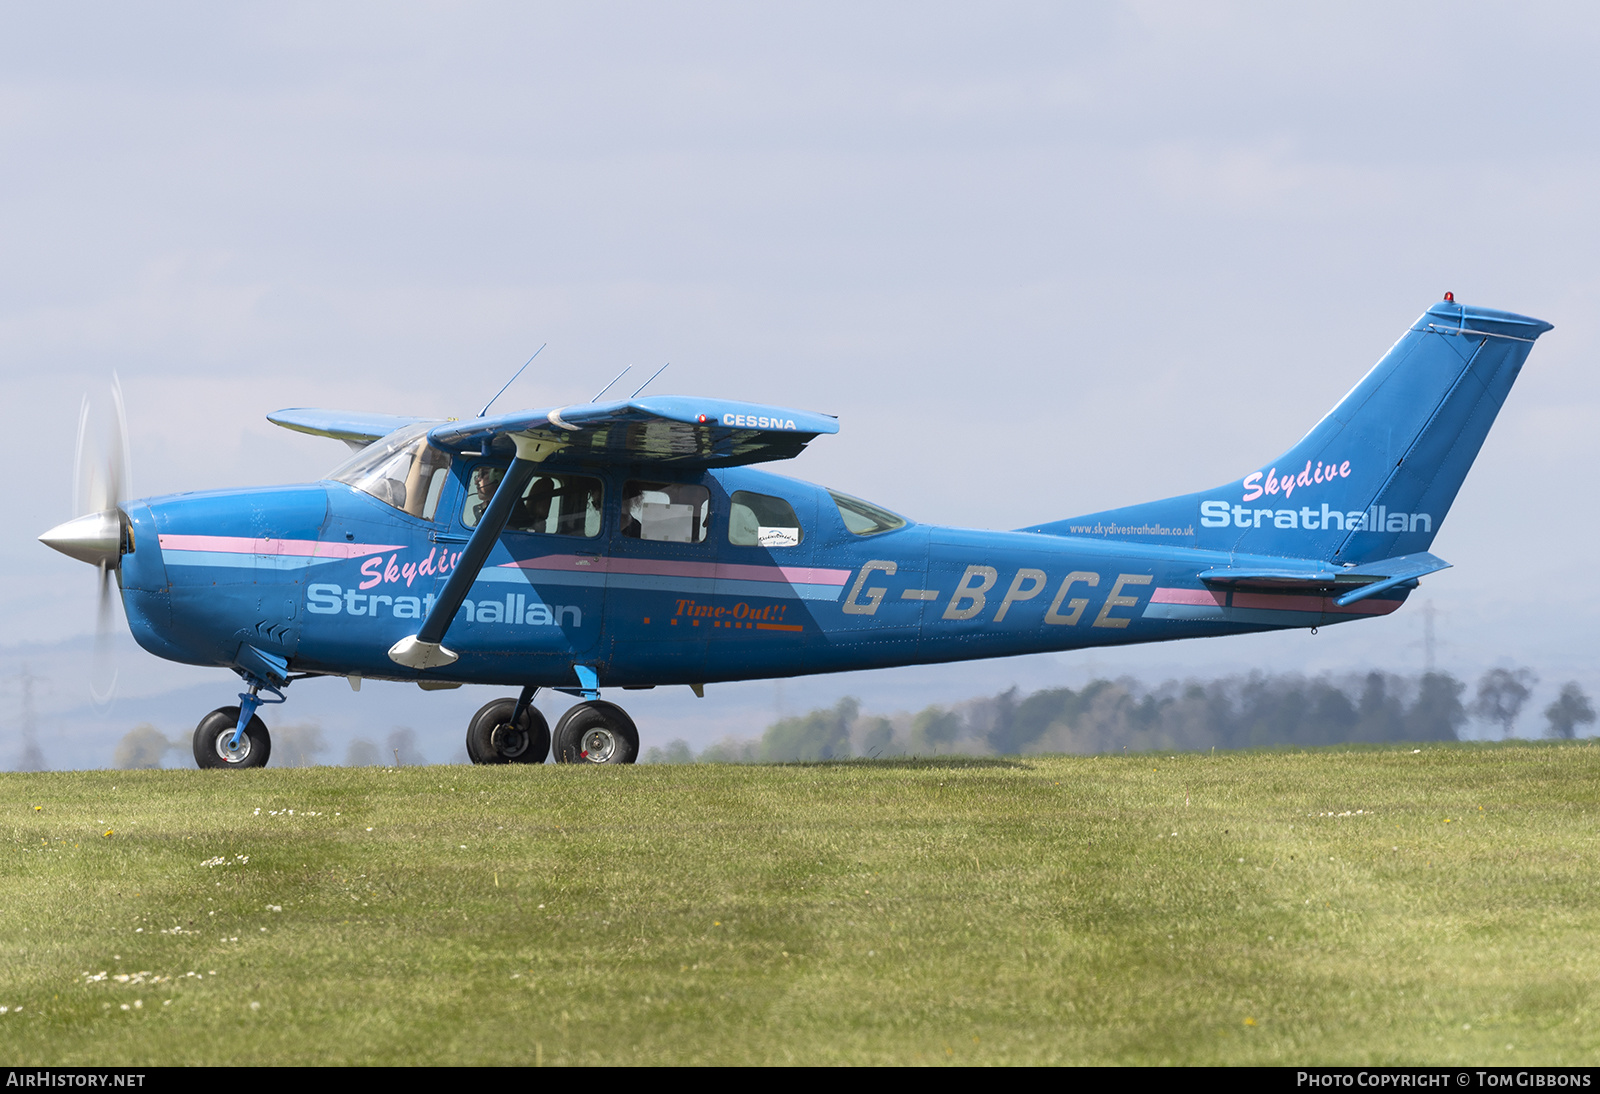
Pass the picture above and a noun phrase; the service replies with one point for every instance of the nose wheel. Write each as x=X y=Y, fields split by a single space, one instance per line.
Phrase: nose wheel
x=215 y=746
x=596 y=732
x=499 y=735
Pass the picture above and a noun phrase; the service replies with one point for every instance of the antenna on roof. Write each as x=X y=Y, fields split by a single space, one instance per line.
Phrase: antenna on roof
x=509 y=382
x=614 y=379
x=646 y=384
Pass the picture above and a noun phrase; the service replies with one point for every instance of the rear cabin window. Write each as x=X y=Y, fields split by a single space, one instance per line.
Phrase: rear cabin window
x=402 y=470
x=863 y=518
x=667 y=512
x=759 y=520
x=552 y=505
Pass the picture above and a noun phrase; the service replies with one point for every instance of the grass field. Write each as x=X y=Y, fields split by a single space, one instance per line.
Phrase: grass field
x=1336 y=906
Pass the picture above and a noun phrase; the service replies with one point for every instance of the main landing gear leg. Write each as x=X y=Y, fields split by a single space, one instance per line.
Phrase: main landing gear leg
x=509 y=732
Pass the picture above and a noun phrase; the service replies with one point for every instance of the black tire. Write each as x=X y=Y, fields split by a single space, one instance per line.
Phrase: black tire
x=212 y=735
x=596 y=733
x=491 y=739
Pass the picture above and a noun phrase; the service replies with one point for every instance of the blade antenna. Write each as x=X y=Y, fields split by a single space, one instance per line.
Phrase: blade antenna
x=646 y=384
x=614 y=379
x=511 y=381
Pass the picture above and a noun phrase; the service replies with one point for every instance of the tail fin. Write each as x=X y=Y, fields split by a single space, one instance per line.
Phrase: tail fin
x=1372 y=480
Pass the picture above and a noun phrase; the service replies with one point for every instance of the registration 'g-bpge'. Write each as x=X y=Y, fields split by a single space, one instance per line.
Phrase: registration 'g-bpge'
x=634 y=543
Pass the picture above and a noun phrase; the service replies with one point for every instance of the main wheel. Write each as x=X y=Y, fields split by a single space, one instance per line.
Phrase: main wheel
x=596 y=733
x=492 y=739
x=215 y=731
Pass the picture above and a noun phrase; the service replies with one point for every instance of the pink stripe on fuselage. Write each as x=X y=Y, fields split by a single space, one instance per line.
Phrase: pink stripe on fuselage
x=303 y=548
x=1189 y=596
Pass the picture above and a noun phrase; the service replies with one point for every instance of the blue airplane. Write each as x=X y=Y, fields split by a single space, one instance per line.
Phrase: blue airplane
x=635 y=544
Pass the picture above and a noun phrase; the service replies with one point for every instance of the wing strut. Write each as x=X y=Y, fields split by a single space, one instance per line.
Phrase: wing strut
x=425 y=649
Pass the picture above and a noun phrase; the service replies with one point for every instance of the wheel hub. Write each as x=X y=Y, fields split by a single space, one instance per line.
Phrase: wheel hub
x=599 y=745
x=231 y=753
x=509 y=741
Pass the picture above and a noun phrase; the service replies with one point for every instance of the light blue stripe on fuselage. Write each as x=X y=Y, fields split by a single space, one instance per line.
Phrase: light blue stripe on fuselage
x=234 y=561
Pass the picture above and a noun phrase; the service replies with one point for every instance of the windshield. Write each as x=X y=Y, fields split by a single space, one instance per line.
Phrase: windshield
x=401 y=470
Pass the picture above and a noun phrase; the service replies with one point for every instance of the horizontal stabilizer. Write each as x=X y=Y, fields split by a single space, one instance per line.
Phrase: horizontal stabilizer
x=1359 y=582
x=1242 y=575
x=1392 y=572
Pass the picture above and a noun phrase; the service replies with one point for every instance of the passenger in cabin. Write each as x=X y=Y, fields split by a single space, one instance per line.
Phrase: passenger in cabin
x=632 y=505
x=536 y=504
x=578 y=507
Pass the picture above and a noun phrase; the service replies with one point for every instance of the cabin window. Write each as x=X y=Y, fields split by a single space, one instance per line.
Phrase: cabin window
x=553 y=505
x=863 y=518
x=402 y=470
x=667 y=512
x=758 y=520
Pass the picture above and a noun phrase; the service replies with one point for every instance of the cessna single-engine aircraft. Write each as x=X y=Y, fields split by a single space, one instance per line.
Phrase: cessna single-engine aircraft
x=634 y=544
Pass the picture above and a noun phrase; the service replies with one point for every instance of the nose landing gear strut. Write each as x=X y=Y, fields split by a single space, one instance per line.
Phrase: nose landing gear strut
x=233 y=737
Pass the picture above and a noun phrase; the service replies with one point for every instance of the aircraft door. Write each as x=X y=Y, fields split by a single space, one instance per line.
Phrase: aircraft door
x=541 y=594
x=767 y=586
x=662 y=568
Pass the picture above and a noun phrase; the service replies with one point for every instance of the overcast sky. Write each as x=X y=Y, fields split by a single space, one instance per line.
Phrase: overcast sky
x=1041 y=259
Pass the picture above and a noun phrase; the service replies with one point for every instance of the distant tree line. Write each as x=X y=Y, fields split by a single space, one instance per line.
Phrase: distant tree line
x=1253 y=711
x=293 y=745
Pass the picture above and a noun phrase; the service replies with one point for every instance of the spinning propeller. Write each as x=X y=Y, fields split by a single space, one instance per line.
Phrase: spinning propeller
x=98 y=536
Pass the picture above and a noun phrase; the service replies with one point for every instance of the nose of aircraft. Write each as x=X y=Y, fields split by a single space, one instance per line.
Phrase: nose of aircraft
x=95 y=538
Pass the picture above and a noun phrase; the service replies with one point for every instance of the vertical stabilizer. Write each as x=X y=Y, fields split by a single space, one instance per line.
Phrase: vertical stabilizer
x=1376 y=477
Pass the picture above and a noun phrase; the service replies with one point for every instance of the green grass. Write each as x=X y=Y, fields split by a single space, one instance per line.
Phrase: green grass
x=984 y=911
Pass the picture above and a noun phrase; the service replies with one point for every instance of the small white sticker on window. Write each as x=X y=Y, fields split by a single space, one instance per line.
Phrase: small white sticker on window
x=777 y=537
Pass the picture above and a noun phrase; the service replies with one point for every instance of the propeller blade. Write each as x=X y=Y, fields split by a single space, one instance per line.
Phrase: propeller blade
x=117 y=459
x=95 y=534
x=83 y=462
x=103 y=676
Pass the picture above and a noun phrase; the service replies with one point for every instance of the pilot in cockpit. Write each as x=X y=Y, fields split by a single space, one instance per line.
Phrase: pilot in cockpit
x=485 y=480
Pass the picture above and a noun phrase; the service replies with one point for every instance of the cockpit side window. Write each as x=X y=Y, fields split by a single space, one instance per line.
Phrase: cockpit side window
x=863 y=518
x=556 y=505
x=402 y=470
x=760 y=520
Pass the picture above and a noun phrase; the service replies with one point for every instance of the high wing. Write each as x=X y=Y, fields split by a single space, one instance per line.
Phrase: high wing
x=682 y=430
x=355 y=428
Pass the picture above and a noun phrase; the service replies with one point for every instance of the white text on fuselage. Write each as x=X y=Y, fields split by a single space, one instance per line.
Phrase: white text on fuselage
x=1220 y=514
x=515 y=608
x=973 y=593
